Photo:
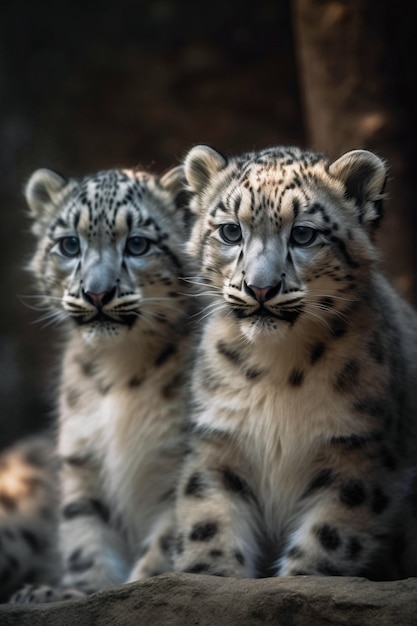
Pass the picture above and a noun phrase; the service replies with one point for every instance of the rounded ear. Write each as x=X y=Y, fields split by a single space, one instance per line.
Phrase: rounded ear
x=173 y=180
x=363 y=175
x=42 y=190
x=201 y=164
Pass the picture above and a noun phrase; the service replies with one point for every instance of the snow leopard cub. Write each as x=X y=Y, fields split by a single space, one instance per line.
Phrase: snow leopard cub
x=110 y=265
x=305 y=409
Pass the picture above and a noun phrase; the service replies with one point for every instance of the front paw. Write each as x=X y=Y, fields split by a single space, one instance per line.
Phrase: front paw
x=36 y=594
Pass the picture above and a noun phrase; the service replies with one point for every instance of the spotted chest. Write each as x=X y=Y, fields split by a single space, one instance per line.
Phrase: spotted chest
x=110 y=265
x=304 y=390
x=130 y=418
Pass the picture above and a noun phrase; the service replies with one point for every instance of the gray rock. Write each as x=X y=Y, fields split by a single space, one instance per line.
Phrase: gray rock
x=192 y=600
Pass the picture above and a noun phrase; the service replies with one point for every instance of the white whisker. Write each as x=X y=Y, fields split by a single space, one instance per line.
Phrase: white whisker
x=52 y=317
x=312 y=294
x=202 y=315
x=44 y=302
x=314 y=316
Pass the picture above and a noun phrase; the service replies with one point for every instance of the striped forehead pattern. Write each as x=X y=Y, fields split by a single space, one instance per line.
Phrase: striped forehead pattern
x=259 y=182
x=98 y=199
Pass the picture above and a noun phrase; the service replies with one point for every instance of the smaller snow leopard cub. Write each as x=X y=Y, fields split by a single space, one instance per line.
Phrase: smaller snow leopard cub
x=109 y=264
x=304 y=389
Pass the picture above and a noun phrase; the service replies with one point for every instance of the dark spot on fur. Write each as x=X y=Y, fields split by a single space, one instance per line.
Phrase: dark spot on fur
x=328 y=537
x=72 y=397
x=216 y=553
x=348 y=376
x=198 y=568
x=295 y=553
x=229 y=353
x=239 y=557
x=296 y=378
x=317 y=352
x=101 y=510
x=352 y=493
x=196 y=486
x=68 y=595
x=252 y=372
x=323 y=479
x=235 y=483
x=135 y=381
x=338 y=327
x=341 y=245
x=166 y=353
x=203 y=531
x=83 y=508
x=75 y=460
x=32 y=540
x=166 y=543
x=170 y=389
x=326 y=302
x=87 y=367
x=77 y=562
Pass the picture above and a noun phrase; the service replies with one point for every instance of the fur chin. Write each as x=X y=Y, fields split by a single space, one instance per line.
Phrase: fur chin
x=257 y=329
x=97 y=332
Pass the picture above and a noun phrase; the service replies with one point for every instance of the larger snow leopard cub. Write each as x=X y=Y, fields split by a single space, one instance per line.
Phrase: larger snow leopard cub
x=305 y=384
x=109 y=265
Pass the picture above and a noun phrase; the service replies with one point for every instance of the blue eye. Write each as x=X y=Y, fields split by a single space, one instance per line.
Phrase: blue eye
x=230 y=233
x=136 y=246
x=303 y=235
x=69 y=246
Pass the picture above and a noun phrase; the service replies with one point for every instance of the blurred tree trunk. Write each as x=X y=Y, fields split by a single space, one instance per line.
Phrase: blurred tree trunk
x=357 y=75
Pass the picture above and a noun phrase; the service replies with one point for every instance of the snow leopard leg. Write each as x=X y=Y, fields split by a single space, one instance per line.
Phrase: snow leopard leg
x=156 y=551
x=93 y=552
x=217 y=514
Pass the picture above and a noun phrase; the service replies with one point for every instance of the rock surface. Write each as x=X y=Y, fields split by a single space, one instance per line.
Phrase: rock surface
x=191 y=600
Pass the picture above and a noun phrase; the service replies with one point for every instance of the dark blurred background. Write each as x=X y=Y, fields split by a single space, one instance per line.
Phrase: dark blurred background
x=87 y=86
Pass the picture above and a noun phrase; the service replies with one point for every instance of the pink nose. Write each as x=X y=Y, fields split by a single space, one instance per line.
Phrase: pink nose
x=96 y=298
x=260 y=292
x=99 y=299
